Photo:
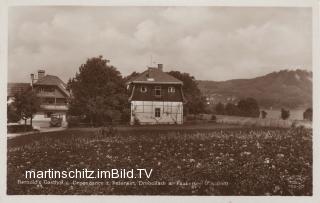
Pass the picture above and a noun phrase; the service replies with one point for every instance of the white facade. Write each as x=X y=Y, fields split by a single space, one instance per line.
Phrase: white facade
x=156 y=112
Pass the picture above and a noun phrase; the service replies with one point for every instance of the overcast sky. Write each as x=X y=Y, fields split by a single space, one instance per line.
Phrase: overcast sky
x=211 y=43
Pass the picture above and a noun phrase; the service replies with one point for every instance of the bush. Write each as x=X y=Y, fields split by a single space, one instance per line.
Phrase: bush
x=307 y=114
x=12 y=115
x=136 y=121
x=213 y=117
x=73 y=121
x=264 y=114
x=19 y=128
x=285 y=114
x=125 y=115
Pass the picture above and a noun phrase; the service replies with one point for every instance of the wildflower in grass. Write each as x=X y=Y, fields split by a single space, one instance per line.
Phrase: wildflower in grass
x=280 y=155
x=266 y=160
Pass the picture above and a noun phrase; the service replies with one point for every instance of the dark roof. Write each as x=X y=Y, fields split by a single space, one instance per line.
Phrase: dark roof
x=16 y=88
x=52 y=81
x=149 y=95
x=154 y=76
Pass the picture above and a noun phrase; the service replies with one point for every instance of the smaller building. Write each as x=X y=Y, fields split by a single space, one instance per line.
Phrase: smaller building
x=156 y=98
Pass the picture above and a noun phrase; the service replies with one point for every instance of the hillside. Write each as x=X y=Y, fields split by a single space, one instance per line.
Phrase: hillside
x=290 y=89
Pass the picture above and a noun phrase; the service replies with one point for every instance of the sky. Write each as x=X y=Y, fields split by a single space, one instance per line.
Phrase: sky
x=210 y=43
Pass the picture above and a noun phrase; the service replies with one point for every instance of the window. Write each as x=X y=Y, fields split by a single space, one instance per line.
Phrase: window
x=157 y=112
x=171 y=89
x=143 y=89
x=61 y=101
x=157 y=91
x=46 y=89
x=48 y=114
x=48 y=101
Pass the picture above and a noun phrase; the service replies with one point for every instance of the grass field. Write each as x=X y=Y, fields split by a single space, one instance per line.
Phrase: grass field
x=227 y=161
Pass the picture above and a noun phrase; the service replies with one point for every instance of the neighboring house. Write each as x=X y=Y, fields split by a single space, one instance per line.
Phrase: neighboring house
x=52 y=93
x=156 y=98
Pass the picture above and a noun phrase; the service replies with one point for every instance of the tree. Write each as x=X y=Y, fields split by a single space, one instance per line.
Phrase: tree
x=219 y=109
x=248 y=107
x=12 y=114
x=98 y=92
x=231 y=109
x=196 y=102
x=27 y=104
x=285 y=114
x=264 y=114
x=131 y=76
x=307 y=114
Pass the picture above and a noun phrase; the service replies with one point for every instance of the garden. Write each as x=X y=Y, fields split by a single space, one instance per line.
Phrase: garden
x=227 y=161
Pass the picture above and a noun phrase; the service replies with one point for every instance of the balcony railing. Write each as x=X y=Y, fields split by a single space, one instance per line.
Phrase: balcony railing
x=62 y=107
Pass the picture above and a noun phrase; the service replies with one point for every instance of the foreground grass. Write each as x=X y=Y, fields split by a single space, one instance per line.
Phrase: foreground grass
x=257 y=161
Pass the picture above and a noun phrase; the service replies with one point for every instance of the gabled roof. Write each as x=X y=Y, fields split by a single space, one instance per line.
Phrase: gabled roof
x=16 y=88
x=154 y=76
x=54 y=81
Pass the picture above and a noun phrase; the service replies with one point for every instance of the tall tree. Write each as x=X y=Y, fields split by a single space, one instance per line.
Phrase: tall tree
x=27 y=104
x=196 y=102
x=98 y=92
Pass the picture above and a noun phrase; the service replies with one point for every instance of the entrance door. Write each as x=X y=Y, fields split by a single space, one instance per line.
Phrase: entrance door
x=157 y=112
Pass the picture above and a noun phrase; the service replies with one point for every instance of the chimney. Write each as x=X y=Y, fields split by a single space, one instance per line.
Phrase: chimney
x=160 y=67
x=41 y=74
x=32 y=79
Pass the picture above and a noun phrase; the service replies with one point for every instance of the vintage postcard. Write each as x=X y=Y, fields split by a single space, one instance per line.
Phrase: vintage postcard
x=160 y=99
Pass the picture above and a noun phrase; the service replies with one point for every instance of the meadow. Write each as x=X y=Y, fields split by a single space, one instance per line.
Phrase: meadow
x=226 y=161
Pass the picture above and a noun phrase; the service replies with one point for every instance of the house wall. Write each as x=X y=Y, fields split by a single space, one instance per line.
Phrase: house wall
x=144 y=111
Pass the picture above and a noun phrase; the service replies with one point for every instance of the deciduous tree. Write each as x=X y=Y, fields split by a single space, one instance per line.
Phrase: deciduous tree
x=98 y=92
x=196 y=102
x=27 y=104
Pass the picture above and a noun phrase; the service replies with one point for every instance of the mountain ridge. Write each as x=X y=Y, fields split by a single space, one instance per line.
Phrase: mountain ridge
x=284 y=88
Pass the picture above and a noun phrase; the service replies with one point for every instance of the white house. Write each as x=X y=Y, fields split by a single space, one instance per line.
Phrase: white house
x=156 y=98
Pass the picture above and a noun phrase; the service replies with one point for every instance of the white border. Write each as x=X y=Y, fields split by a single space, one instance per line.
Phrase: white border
x=4 y=4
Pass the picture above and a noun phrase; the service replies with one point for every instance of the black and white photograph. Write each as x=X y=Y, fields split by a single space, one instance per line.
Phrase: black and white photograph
x=160 y=100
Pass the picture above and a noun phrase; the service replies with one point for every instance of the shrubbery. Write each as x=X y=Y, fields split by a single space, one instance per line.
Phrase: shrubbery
x=246 y=107
x=19 y=128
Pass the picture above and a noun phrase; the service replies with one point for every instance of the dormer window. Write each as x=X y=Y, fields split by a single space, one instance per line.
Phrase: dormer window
x=143 y=89
x=171 y=89
x=157 y=91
